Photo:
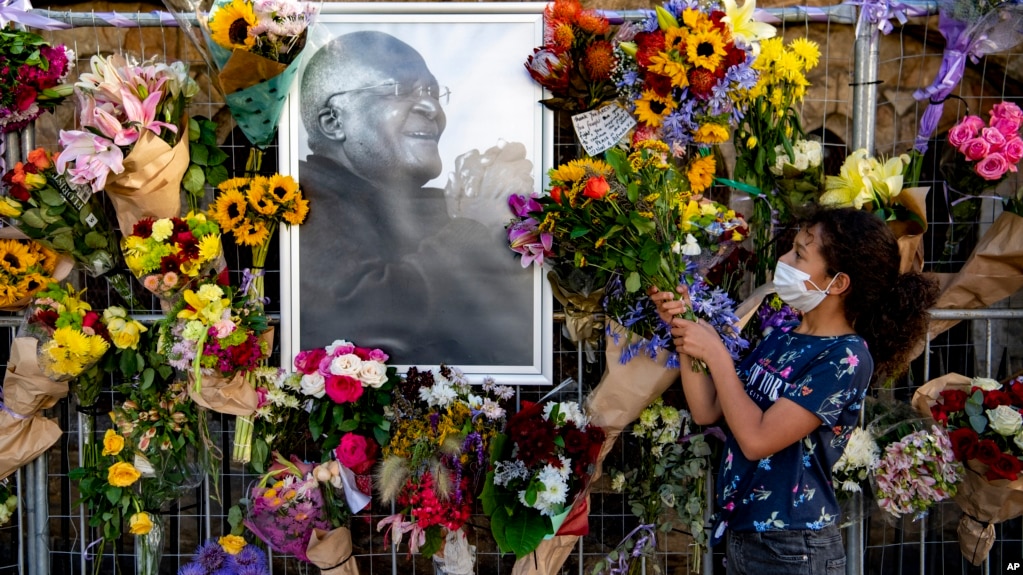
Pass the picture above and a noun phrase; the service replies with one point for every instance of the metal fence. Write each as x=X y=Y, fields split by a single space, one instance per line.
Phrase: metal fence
x=861 y=97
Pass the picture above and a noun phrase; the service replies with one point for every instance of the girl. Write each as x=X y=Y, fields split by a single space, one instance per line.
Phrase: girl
x=792 y=403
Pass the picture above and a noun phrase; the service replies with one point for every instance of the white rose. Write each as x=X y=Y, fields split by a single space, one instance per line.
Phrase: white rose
x=813 y=152
x=312 y=384
x=373 y=374
x=1018 y=440
x=692 y=247
x=985 y=383
x=347 y=364
x=801 y=161
x=1005 y=420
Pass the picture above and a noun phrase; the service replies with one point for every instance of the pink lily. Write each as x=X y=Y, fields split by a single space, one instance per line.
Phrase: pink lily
x=524 y=239
x=94 y=157
x=112 y=128
x=143 y=113
x=398 y=526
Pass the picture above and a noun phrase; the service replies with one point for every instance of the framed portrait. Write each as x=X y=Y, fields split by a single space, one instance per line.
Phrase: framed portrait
x=408 y=128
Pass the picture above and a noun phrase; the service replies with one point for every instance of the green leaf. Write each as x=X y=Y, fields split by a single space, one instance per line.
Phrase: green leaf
x=63 y=242
x=978 y=423
x=193 y=130
x=260 y=453
x=651 y=265
x=51 y=197
x=33 y=218
x=194 y=180
x=578 y=232
x=216 y=156
x=96 y=240
x=113 y=494
x=632 y=283
x=524 y=531
x=434 y=541
x=198 y=154
x=632 y=192
x=215 y=175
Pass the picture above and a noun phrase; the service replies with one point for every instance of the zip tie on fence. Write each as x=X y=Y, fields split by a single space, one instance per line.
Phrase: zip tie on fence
x=870 y=83
x=10 y=412
x=339 y=564
x=86 y=553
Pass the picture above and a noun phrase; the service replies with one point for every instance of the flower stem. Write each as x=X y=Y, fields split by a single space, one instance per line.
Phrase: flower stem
x=242 y=439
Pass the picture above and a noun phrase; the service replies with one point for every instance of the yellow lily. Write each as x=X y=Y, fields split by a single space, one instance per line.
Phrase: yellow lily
x=743 y=26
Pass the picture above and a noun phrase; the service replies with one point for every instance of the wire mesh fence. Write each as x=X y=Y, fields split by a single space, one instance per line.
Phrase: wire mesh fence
x=909 y=58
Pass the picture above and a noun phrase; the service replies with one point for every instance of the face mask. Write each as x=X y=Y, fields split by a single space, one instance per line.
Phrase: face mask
x=790 y=285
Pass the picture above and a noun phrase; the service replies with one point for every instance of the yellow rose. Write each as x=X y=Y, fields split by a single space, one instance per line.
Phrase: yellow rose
x=9 y=208
x=140 y=524
x=122 y=474
x=34 y=181
x=233 y=544
x=125 y=333
x=112 y=443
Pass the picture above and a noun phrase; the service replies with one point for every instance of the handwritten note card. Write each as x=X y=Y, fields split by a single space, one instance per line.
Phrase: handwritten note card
x=600 y=129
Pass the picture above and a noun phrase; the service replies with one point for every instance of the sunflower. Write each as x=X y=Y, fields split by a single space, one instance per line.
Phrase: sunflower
x=298 y=212
x=259 y=197
x=282 y=188
x=252 y=233
x=701 y=174
x=577 y=169
x=229 y=209
x=31 y=283
x=706 y=49
x=9 y=294
x=47 y=258
x=696 y=20
x=229 y=26
x=711 y=133
x=651 y=109
x=662 y=63
x=15 y=257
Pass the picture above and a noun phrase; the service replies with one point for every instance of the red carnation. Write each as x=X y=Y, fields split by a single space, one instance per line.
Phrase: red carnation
x=660 y=85
x=996 y=397
x=964 y=443
x=648 y=44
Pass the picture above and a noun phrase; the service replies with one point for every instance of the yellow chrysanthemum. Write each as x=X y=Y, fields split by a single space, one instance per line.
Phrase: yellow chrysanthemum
x=664 y=64
x=651 y=109
x=789 y=66
x=229 y=26
x=711 y=133
x=15 y=257
x=770 y=50
x=259 y=198
x=209 y=247
x=299 y=211
x=701 y=174
x=283 y=189
x=576 y=170
x=706 y=49
x=252 y=234
x=229 y=209
x=807 y=50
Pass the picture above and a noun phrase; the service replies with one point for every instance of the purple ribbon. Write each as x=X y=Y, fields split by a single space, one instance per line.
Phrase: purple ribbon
x=880 y=13
x=248 y=276
x=995 y=31
x=20 y=12
x=621 y=566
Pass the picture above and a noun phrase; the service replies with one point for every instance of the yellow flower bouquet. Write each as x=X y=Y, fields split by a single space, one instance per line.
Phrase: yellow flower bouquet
x=25 y=268
x=69 y=332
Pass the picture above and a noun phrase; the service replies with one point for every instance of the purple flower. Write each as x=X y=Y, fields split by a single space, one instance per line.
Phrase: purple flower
x=192 y=569
x=522 y=206
x=210 y=556
x=525 y=239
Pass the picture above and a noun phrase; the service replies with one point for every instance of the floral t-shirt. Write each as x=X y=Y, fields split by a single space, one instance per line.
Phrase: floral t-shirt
x=792 y=489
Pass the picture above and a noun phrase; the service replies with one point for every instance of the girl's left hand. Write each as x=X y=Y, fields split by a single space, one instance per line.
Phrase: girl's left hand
x=697 y=339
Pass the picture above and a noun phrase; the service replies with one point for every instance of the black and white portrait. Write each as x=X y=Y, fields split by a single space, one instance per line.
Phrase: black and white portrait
x=411 y=137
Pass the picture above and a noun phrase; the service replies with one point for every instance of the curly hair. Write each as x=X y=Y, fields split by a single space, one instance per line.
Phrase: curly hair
x=887 y=308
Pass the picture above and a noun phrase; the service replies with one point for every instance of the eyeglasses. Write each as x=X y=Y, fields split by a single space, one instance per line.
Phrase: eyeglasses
x=406 y=91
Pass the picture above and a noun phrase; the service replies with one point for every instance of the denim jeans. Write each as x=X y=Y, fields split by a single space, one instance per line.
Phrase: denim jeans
x=803 y=552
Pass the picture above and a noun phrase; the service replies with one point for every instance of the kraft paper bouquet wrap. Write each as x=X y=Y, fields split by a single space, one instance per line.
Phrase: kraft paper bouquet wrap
x=983 y=421
x=134 y=142
x=24 y=434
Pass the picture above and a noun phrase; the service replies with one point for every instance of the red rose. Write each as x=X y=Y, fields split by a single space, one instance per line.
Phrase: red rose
x=596 y=188
x=362 y=353
x=1005 y=467
x=953 y=400
x=1016 y=391
x=939 y=415
x=309 y=361
x=996 y=397
x=987 y=451
x=964 y=443
x=556 y=194
x=357 y=453
x=342 y=388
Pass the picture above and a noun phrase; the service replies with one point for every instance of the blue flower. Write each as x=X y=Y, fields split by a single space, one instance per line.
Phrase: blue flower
x=192 y=569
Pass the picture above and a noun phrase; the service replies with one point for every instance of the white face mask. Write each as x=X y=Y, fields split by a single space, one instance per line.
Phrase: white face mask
x=790 y=285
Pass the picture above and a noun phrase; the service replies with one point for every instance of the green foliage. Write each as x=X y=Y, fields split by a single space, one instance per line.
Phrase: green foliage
x=206 y=160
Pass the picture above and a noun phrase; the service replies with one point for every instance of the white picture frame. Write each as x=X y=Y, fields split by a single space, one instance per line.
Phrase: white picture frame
x=478 y=50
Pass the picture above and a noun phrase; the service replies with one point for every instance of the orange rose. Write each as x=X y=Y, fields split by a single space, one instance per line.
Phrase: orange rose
x=596 y=188
x=39 y=158
x=556 y=194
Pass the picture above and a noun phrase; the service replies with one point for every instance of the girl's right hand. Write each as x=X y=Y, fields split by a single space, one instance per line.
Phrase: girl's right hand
x=668 y=307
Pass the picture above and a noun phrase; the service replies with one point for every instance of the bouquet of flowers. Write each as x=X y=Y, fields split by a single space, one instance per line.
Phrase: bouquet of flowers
x=8 y=501
x=71 y=333
x=285 y=506
x=684 y=74
x=541 y=462
x=251 y=209
x=442 y=430
x=577 y=58
x=64 y=216
x=132 y=144
x=229 y=555
x=32 y=76
x=664 y=483
x=280 y=419
x=171 y=254
x=25 y=268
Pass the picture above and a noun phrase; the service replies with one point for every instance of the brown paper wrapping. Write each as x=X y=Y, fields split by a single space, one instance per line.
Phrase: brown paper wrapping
x=910 y=234
x=150 y=185
x=993 y=272
x=983 y=502
x=244 y=69
x=581 y=311
x=623 y=393
x=331 y=551
x=231 y=396
x=23 y=434
x=65 y=264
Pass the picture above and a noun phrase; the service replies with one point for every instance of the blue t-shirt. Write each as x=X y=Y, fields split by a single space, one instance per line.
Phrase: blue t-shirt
x=792 y=489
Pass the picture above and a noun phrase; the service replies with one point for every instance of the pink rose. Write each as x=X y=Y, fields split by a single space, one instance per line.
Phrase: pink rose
x=308 y=361
x=378 y=355
x=992 y=167
x=1008 y=127
x=357 y=453
x=975 y=149
x=342 y=388
x=1006 y=110
x=1013 y=150
x=962 y=132
x=993 y=137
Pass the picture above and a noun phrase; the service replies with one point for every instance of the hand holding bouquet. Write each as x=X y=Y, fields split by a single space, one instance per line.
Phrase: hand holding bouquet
x=541 y=462
x=64 y=216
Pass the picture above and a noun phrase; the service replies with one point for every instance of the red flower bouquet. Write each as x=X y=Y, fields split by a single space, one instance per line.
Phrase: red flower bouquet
x=541 y=462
